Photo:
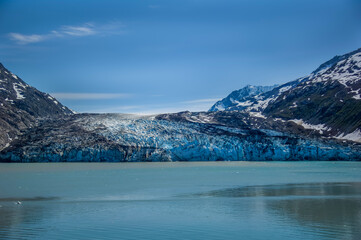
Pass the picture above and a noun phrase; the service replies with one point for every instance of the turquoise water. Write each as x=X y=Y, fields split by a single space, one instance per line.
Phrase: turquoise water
x=217 y=200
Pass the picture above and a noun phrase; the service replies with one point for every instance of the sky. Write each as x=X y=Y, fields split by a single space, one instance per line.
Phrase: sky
x=154 y=56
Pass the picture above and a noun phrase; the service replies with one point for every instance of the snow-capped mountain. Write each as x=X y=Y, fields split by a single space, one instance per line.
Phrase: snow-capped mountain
x=238 y=98
x=328 y=100
x=21 y=105
x=344 y=69
x=257 y=103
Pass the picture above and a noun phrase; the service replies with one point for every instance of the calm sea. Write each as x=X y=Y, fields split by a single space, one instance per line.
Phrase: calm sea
x=217 y=200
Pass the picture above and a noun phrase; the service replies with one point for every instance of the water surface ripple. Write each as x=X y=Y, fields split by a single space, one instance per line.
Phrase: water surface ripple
x=308 y=200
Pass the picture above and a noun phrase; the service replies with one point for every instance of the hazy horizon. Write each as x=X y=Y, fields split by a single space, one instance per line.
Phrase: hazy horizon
x=155 y=56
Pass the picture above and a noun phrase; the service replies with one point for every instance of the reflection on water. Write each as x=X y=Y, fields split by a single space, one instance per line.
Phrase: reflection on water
x=337 y=218
x=181 y=201
x=12 y=216
x=331 y=210
x=292 y=211
x=305 y=189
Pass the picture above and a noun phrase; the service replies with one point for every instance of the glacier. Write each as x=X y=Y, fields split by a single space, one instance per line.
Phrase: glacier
x=129 y=138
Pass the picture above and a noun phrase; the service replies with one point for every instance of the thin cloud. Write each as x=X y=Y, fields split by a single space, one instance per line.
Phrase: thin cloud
x=153 y=111
x=199 y=105
x=116 y=109
x=24 y=39
x=89 y=96
x=78 y=31
x=87 y=29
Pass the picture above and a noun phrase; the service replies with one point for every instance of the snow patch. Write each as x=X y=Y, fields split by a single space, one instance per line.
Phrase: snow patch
x=17 y=88
x=279 y=119
x=284 y=89
x=245 y=104
x=221 y=108
x=261 y=104
x=346 y=72
x=9 y=100
x=357 y=97
x=318 y=127
x=354 y=136
x=14 y=76
x=294 y=105
x=257 y=114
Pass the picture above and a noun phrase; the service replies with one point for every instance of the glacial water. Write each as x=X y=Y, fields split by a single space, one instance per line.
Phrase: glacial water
x=213 y=200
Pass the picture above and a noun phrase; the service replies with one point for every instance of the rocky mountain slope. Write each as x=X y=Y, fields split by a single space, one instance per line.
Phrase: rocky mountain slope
x=328 y=100
x=22 y=105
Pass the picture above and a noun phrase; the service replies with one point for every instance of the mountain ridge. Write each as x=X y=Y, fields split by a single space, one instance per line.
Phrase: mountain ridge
x=316 y=117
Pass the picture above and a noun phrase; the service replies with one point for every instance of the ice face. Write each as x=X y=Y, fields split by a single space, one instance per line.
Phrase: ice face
x=118 y=138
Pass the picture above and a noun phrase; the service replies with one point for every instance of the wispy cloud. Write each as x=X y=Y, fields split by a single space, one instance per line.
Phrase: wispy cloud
x=115 y=109
x=89 y=96
x=87 y=29
x=24 y=39
x=197 y=105
x=78 y=31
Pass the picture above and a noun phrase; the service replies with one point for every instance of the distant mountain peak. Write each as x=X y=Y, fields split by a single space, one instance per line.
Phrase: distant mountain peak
x=238 y=96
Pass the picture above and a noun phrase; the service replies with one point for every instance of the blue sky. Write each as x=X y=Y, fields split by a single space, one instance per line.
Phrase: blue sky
x=152 y=56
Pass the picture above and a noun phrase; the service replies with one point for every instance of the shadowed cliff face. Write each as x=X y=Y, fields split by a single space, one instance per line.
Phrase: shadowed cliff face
x=119 y=137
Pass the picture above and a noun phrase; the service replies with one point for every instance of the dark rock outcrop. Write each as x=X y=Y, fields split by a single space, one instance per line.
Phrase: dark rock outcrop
x=22 y=106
